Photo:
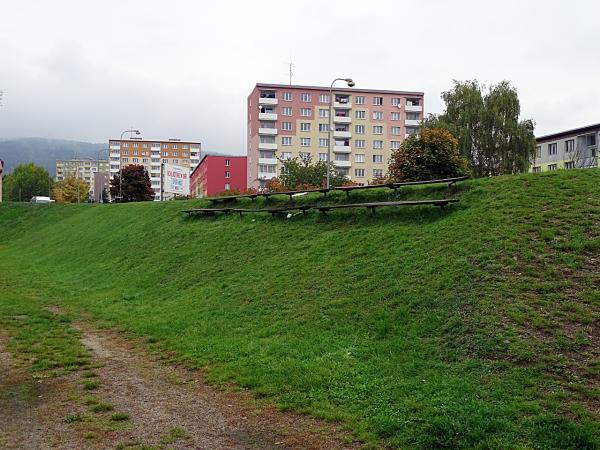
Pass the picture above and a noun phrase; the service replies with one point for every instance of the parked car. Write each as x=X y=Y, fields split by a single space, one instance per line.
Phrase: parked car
x=40 y=199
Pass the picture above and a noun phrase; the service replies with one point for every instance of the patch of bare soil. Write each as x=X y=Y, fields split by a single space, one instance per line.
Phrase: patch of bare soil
x=164 y=406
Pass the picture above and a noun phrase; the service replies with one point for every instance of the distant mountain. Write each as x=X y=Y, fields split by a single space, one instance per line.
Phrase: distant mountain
x=45 y=152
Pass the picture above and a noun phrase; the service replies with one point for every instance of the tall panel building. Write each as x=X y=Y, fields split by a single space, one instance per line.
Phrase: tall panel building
x=293 y=121
x=83 y=169
x=152 y=154
x=572 y=149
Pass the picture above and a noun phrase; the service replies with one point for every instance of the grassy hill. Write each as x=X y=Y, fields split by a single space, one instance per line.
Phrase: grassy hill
x=477 y=326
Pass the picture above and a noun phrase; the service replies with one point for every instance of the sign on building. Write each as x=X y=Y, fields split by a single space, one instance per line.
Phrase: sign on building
x=176 y=179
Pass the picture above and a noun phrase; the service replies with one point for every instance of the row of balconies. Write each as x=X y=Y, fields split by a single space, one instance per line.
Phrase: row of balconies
x=336 y=119
x=339 y=105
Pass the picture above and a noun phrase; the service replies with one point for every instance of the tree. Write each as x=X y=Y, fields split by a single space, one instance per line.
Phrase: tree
x=303 y=174
x=26 y=181
x=135 y=186
x=104 y=196
x=487 y=126
x=71 y=190
x=431 y=154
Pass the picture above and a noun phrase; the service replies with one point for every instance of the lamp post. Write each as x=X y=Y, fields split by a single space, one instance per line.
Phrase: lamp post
x=98 y=171
x=131 y=130
x=350 y=83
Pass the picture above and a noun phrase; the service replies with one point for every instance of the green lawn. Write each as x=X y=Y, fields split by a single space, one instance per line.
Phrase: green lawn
x=472 y=327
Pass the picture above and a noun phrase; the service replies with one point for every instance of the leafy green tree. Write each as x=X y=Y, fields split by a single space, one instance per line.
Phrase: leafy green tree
x=303 y=174
x=135 y=186
x=487 y=126
x=104 y=196
x=431 y=154
x=71 y=190
x=26 y=181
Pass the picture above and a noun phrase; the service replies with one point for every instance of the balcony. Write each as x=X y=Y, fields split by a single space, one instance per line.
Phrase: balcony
x=267 y=101
x=342 y=163
x=266 y=175
x=342 y=134
x=342 y=149
x=267 y=146
x=413 y=108
x=267 y=116
x=268 y=131
x=270 y=161
x=342 y=119
x=412 y=123
x=342 y=105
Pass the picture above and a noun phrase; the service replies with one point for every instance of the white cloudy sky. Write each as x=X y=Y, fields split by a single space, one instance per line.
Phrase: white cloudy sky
x=86 y=70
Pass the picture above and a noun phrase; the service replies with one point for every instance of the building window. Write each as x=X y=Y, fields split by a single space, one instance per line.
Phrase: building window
x=324 y=113
x=538 y=151
x=378 y=159
x=305 y=112
x=551 y=150
x=377 y=173
x=286 y=111
x=175 y=161
x=322 y=156
x=227 y=186
x=552 y=167
x=410 y=130
x=304 y=126
x=305 y=97
x=378 y=115
x=360 y=173
x=124 y=144
x=360 y=114
x=286 y=155
x=323 y=142
x=125 y=160
x=360 y=99
x=227 y=174
x=323 y=127
x=165 y=146
x=377 y=144
x=570 y=165
x=145 y=161
x=227 y=162
x=286 y=126
x=287 y=96
x=395 y=116
x=359 y=129
x=359 y=157
x=377 y=101
x=286 y=140
x=305 y=142
x=359 y=143
x=413 y=102
x=394 y=145
x=378 y=129
x=569 y=145
x=175 y=153
x=395 y=101
x=324 y=98
x=305 y=156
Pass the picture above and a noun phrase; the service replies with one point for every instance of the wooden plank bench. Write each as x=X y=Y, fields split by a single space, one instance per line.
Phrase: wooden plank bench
x=325 y=208
x=373 y=205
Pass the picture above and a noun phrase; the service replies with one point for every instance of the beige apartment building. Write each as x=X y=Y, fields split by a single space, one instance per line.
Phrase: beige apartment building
x=152 y=154
x=82 y=169
x=293 y=121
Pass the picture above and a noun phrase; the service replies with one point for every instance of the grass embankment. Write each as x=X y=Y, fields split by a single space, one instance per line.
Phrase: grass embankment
x=475 y=327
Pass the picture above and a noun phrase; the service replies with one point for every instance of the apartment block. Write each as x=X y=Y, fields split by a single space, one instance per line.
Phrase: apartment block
x=293 y=121
x=576 y=148
x=152 y=154
x=82 y=169
x=217 y=173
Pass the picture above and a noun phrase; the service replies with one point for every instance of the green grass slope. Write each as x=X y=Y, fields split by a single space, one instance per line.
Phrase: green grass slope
x=477 y=326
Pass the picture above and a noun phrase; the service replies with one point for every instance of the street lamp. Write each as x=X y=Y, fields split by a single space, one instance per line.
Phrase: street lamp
x=98 y=169
x=350 y=83
x=131 y=130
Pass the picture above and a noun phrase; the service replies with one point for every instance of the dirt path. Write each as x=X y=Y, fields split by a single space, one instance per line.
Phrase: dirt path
x=166 y=406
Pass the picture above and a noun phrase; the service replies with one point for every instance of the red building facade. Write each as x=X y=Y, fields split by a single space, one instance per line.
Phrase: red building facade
x=216 y=174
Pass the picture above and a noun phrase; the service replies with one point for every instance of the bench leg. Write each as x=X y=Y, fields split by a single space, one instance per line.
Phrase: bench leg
x=348 y=193
x=373 y=210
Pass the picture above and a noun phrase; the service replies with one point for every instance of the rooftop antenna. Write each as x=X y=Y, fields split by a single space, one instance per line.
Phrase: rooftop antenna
x=291 y=64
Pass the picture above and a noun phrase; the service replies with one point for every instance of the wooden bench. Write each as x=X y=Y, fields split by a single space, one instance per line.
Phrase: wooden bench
x=303 y=208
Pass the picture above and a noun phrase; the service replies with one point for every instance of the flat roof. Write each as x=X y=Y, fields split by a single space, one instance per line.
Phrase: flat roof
x=336 y=89
x=162 y=141
x=560 y=134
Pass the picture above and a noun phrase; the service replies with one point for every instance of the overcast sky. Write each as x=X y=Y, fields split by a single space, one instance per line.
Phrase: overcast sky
x=86 y=70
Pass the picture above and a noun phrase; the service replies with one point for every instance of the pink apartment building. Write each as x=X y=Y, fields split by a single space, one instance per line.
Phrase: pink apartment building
x=293 y=121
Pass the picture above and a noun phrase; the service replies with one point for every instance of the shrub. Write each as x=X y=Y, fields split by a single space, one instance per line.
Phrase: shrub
x=429 y=155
